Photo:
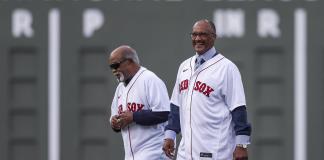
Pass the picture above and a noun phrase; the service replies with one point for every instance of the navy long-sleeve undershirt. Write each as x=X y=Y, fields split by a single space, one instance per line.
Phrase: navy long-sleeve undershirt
x=239 y=117
x=148 y=117
x=174 y=119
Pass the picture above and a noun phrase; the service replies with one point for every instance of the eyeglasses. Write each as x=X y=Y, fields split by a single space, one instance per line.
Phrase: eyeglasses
x=200 y=34
x=117 y=65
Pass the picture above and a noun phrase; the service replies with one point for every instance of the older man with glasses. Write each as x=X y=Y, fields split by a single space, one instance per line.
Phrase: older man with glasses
x=140 y=107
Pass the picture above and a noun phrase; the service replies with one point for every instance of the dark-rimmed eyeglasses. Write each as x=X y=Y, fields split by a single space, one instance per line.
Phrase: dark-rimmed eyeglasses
x=200 y=34
x=117 y=65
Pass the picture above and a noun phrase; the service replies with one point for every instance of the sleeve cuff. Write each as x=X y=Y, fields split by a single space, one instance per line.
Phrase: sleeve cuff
x=242 y=139
x=231 y=108
x=169 y=134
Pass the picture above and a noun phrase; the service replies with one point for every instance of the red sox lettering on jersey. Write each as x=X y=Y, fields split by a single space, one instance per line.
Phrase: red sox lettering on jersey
x=120 y=109
x=133 y=107
x=184 y=85
x=199 y=86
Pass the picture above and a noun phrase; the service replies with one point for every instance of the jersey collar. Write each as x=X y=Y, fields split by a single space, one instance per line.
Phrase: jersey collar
x=208 y=63
x=135 y=77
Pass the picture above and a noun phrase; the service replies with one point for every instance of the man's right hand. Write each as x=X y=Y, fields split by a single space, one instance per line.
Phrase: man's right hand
x=168 y=147
x=115 y=122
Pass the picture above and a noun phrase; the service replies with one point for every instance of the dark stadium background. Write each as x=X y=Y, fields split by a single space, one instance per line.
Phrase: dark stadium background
x=159 y=31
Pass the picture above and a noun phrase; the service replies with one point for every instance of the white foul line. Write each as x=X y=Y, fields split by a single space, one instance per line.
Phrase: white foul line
x=300 y=82
x=54 y=85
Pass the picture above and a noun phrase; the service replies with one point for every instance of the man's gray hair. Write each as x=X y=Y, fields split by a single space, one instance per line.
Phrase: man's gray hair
x=132 y=55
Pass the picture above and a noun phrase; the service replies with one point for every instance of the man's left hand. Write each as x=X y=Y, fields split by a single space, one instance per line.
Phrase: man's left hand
x=240 y=153
x=125 y=118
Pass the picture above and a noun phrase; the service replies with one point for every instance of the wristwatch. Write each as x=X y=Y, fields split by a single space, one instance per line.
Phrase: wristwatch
x=242 y=146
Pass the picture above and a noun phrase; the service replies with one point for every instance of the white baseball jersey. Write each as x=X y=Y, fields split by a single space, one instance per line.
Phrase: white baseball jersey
x=145 y=91
x=206 y=98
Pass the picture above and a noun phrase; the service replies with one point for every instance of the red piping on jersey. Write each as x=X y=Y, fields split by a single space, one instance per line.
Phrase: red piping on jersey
x=190 y=67
x=191 y=103
x=130 y=141
x=190 y=111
